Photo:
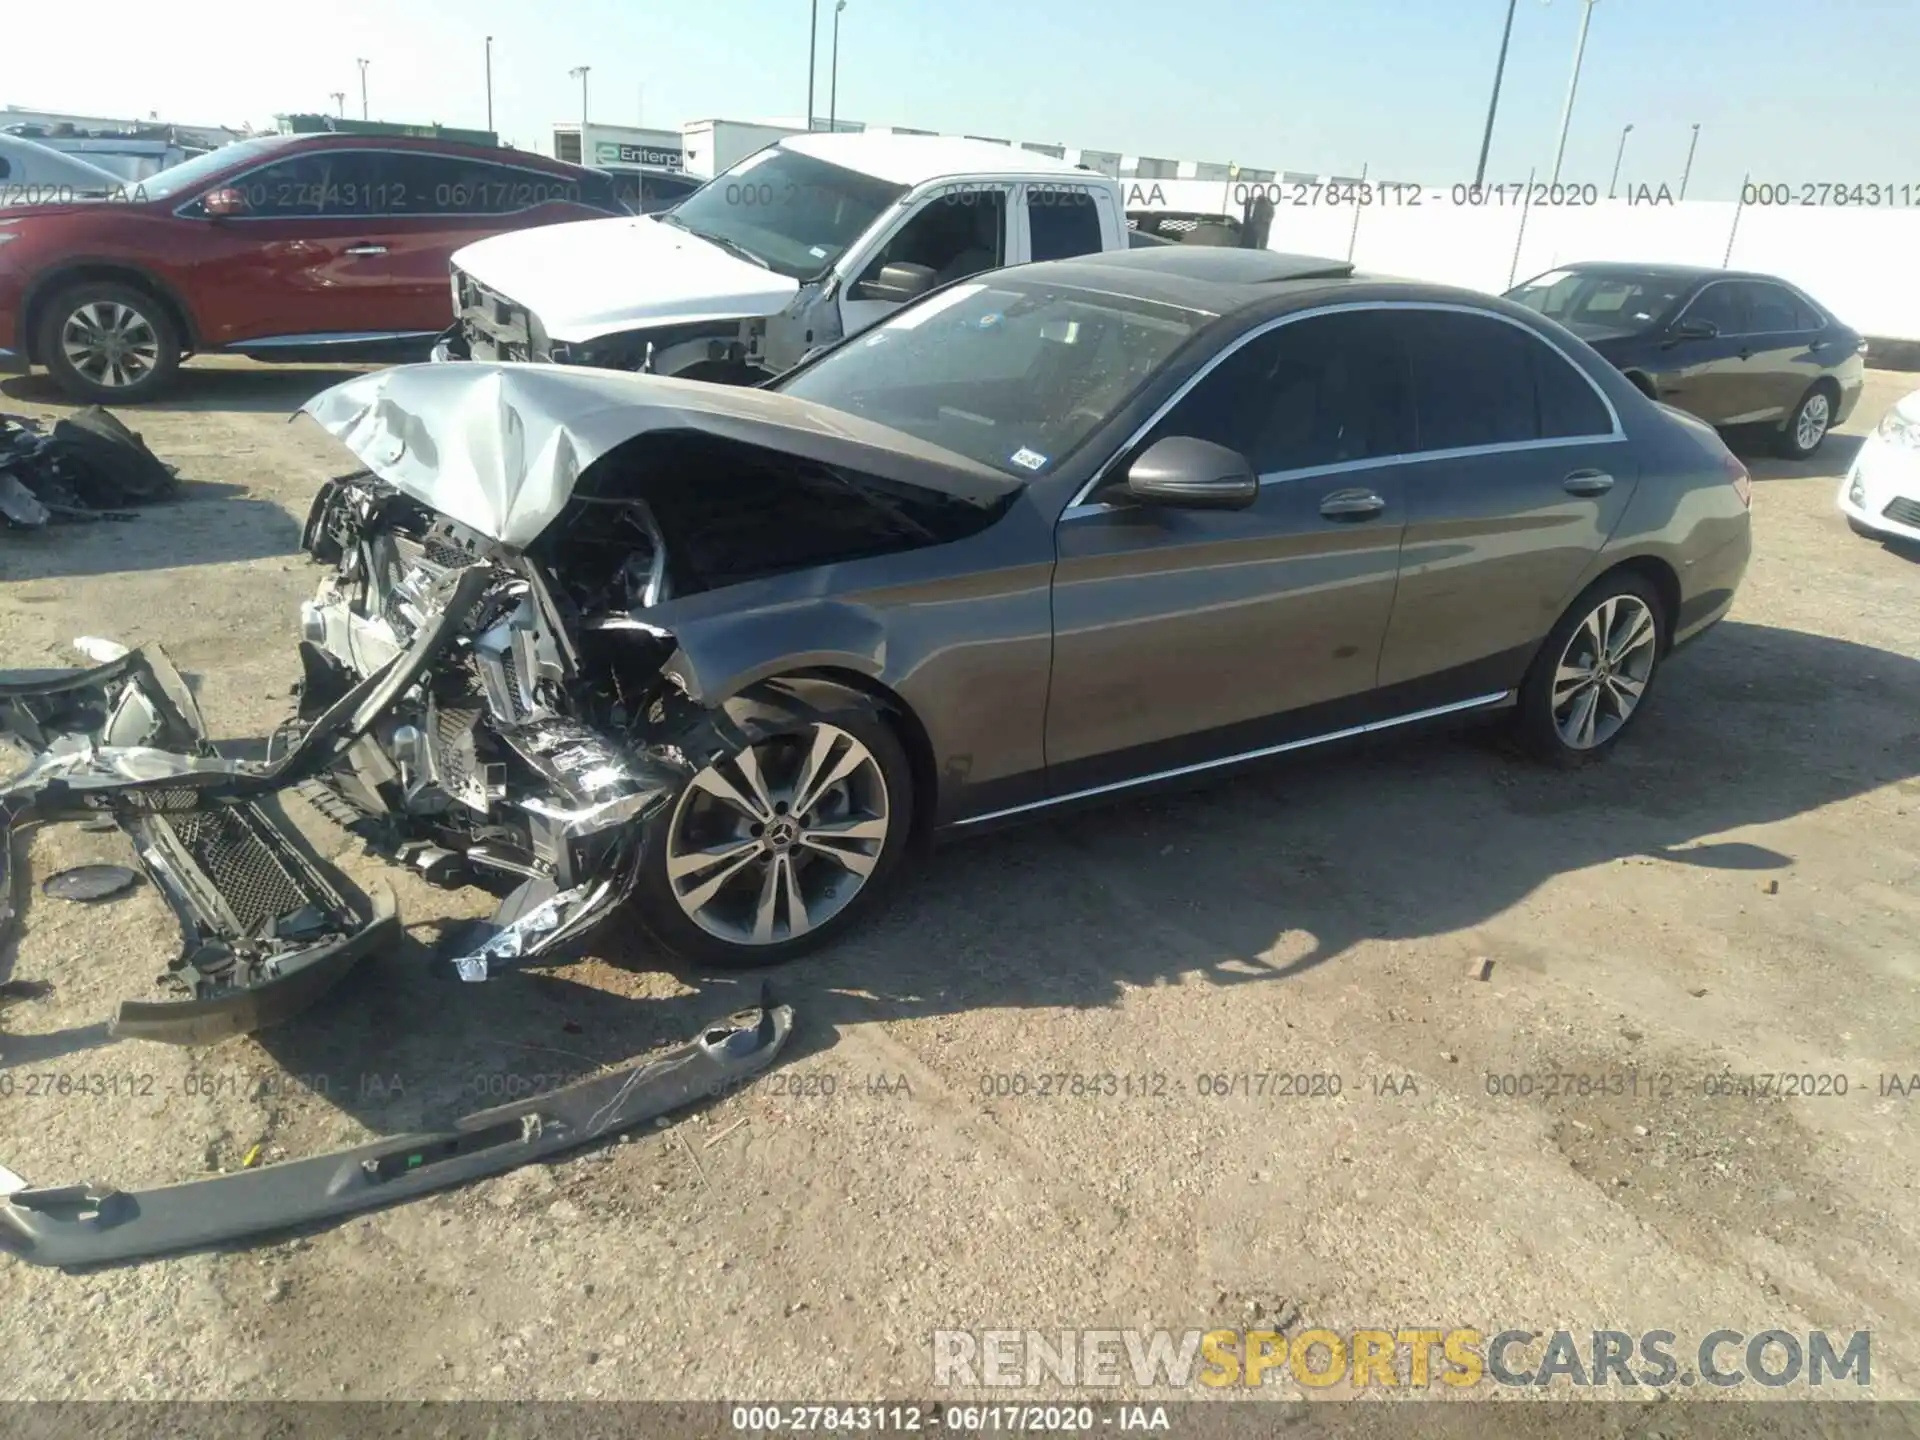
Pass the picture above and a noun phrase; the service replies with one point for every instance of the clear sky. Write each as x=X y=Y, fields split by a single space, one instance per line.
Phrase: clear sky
x=1790 y=90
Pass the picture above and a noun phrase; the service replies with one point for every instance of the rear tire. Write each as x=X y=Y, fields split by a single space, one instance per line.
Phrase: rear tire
x=1806 y=428
x=788 y=834
x=1593 y=673
x=107 y=343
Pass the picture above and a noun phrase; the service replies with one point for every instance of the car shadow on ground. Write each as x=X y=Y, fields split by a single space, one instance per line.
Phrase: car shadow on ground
x=1254 y=880
x=202 y=524
x=1829 y=462
x=222 y=384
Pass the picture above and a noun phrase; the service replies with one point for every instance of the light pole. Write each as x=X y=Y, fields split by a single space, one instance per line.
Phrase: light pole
x=579 y=72
x=339 y=102
x=1499 y=69
x=489 y=83
x=813 y=42
x=1618 y=155
x=363 y=86
x=833 y=72
x=1566 y=116
x=1684 y=174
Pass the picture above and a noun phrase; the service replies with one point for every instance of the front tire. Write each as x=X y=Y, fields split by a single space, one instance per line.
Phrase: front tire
x=788 y=833
x=106 y=343
x=1807 y=427
x=1593 y=673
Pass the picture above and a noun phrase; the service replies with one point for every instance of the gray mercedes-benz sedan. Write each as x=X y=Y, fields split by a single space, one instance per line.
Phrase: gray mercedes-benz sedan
x=1053 y=533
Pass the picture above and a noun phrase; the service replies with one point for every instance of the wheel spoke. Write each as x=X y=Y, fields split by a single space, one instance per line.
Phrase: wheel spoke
x=721 y=788
x=702 y=895
x=1567 y=681
x=1585 y=712
x=748 y=765
x=680 y=867
x=799 y=921
x=807 y=796
x=856 y=862
x=1628 y=687
x=1632 y=635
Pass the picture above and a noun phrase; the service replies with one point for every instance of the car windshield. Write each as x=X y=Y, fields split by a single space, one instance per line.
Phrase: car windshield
x=190 y=174
x=792 y=213
x=1598 y=305
x=1014 y=375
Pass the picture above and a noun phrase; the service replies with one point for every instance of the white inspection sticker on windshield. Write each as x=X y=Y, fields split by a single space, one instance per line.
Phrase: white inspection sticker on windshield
x=1027 y=459
x=920 y=314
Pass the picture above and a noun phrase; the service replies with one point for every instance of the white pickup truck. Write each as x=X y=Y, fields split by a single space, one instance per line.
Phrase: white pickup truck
x=811 y=239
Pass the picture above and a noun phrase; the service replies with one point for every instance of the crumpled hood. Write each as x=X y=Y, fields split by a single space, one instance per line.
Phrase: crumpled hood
x=499 y=447
x=589 y=278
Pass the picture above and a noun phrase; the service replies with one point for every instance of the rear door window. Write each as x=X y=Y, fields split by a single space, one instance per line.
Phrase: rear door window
x=1772 y=311
x=418 y=182
x=1062 y=223
x=1480 y=381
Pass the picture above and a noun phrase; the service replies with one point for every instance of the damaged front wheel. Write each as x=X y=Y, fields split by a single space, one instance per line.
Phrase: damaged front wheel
x=786 y=831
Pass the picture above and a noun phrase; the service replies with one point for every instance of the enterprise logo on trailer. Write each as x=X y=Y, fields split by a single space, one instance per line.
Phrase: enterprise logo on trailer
x=619 y=152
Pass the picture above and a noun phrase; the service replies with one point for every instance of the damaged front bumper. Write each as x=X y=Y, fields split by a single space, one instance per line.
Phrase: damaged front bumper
x=86 y=1224
x=265 y=927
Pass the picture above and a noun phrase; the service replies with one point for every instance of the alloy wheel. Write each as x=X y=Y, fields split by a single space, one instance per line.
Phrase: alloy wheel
x=110 y=343
x=1604 y=671
x=1810 y=425
x=777 y=839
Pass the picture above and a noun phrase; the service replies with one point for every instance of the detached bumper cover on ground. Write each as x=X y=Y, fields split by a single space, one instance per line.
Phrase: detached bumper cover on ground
x=265 y=927
x=88 y=1224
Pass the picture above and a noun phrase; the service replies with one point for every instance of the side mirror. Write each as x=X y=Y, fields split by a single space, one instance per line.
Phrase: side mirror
x=225 y=202
x=1189 y=474
x=897 y=283
x=1695 y=329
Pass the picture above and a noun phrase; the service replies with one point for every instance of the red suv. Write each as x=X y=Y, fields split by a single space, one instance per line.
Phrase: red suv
x=288 y=247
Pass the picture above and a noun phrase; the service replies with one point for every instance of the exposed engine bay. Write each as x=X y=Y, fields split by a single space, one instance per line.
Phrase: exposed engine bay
x=545 y=728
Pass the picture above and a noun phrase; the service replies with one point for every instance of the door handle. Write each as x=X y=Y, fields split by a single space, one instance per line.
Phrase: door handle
x=366 y=250
x=1587 y=482
x=1352 y=505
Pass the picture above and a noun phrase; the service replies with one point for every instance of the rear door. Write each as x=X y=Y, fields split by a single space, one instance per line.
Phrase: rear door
x=1782 y=333
x=1187 y=636
x=1522 y=476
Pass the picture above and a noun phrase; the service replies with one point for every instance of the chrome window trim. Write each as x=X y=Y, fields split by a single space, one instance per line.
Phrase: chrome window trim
x=1080 y=505
x=1479 y=702
x=369 y=215
x=1792 y=290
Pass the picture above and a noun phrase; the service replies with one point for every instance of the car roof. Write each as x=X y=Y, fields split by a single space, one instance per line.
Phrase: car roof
x=914 y=159
x=339 y=140
x=1662 y=271
x=1213 y=279
x=61 y=167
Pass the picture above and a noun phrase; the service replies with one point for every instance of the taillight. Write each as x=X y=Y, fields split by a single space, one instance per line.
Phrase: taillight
x=1742 y=481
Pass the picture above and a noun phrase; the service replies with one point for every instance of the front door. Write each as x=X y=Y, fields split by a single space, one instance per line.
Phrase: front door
x=956 y=231
x=1183 y=637
x=1713 y=376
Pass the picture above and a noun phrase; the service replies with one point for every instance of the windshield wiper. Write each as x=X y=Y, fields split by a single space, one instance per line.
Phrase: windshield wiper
x=725 y=243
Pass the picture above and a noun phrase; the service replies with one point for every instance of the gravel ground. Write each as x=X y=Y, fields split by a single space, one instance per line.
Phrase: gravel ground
x=1736 y=892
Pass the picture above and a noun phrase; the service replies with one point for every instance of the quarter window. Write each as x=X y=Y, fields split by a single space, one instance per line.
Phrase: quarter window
x=1322 y=391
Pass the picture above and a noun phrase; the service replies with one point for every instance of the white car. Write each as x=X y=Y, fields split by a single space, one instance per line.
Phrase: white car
x=1881 y=495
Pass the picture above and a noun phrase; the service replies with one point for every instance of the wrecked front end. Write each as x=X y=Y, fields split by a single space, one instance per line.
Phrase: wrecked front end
x=508 y=763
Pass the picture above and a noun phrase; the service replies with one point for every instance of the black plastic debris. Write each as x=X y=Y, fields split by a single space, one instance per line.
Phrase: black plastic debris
x=88 y=467
x=89 y=882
